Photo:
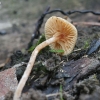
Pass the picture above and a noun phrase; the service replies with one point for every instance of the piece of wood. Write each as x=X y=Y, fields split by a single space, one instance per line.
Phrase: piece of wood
x=8 y=82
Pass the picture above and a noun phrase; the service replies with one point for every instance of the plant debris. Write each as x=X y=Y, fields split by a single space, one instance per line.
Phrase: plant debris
x=8 y=82
x=95 y=45
x=87 y=89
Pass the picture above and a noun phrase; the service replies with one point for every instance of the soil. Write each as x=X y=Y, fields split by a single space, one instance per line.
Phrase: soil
x=73 y=73
x=54 y=77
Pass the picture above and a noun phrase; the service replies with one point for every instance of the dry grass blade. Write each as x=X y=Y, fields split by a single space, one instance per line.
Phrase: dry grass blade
x=87 y=23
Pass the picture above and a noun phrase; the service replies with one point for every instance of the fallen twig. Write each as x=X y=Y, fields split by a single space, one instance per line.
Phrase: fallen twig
x=77 y=50
x=36 y=32
x=87 y=23
x=51 y=95
x=2 y=65
x=15 y=66
x=20 y=64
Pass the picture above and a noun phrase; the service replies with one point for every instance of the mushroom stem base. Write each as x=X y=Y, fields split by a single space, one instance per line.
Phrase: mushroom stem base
x=30 y=66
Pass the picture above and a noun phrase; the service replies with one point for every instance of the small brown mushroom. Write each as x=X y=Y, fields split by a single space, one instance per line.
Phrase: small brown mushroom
x=64 y=32
x=60 y=34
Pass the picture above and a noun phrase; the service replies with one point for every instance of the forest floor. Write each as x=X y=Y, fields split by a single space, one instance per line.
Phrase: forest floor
x=73 y=77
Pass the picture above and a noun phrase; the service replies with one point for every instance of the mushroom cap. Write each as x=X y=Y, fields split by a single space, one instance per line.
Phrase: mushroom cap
x=64 y=31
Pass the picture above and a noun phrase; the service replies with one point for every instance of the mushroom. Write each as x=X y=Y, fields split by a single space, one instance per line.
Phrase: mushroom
x=60 y=34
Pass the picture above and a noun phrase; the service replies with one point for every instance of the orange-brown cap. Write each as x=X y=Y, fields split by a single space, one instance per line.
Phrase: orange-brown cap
x=64 y=31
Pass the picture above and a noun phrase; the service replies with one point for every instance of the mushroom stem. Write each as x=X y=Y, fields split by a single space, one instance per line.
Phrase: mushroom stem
x=30 y=66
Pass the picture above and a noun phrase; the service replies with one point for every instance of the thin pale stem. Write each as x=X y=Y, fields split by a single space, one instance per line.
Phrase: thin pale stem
x=30 y=66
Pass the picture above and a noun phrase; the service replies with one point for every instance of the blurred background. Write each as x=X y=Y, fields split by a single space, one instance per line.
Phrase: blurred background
x=18 y=18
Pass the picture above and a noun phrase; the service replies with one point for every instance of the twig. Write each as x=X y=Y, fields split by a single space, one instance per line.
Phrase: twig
x=87 y=23
x=51 y=95
x=2 y=65
x=15 y=66
x=36 y=32
x=74 y=11
x=77 y=50
x=20 y=64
